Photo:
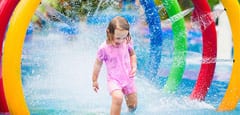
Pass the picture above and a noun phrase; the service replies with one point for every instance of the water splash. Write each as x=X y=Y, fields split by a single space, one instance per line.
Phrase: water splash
x=64 y=85
x=58 y=15
x=177 y=17
x=205 y=20
x=98 y=6
x=42 y=17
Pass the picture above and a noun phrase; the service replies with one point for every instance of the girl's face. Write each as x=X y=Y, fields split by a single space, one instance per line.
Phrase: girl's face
x=120 y=36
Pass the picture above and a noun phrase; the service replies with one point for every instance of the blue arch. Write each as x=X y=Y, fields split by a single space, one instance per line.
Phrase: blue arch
x=154 y=23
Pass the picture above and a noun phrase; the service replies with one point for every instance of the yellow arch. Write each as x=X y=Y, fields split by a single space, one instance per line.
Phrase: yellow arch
x=12 y=56
x=232 y=95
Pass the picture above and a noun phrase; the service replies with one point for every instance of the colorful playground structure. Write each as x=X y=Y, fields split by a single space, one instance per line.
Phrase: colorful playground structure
x=15 y=16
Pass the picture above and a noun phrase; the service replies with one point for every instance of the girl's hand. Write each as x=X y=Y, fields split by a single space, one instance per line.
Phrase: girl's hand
x=133 y=72
x=95 y=86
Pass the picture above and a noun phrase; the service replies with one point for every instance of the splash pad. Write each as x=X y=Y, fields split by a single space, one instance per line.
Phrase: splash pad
x=13 y=50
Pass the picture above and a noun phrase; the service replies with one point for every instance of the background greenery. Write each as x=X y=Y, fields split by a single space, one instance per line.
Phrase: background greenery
x=77 y=9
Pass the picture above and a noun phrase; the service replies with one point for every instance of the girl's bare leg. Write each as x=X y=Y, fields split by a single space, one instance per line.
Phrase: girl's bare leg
x=117 y=99
x=131 y=101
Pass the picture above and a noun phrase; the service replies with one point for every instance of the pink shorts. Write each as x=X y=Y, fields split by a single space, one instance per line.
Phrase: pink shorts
x=128 y=88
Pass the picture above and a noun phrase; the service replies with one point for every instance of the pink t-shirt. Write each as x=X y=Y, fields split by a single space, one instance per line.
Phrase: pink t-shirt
x=117 y=61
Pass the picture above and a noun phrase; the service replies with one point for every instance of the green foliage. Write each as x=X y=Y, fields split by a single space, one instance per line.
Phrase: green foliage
x=185 y=4
x=76 y=9
x=213 y=2
x=162 y=12
x=188 y=3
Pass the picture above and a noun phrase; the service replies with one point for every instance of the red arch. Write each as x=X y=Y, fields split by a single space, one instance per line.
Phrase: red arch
x=6 y=9
x=205 y=76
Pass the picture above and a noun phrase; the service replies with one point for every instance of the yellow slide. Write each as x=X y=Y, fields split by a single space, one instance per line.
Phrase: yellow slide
x=232 y=95
x=12 y=53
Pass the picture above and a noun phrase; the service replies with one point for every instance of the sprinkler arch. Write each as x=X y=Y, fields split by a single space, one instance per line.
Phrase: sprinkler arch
x=154 y=22
x=180 y=47
x=232 y=95
x=13 y=49
x=6 y=9
x=209 y=49
x=12 y=56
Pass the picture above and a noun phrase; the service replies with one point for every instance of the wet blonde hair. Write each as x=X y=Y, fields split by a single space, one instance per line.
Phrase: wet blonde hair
x=118 y=23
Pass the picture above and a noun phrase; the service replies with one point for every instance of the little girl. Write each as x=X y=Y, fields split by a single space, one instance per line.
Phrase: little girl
x=118 y=54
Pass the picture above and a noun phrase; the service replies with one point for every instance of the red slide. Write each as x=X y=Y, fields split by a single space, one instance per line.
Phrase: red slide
x=202 y=15
x=6 y=9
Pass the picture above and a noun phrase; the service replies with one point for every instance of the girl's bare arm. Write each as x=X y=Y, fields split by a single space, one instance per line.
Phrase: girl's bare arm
x=133 y=61
x=96 y=71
